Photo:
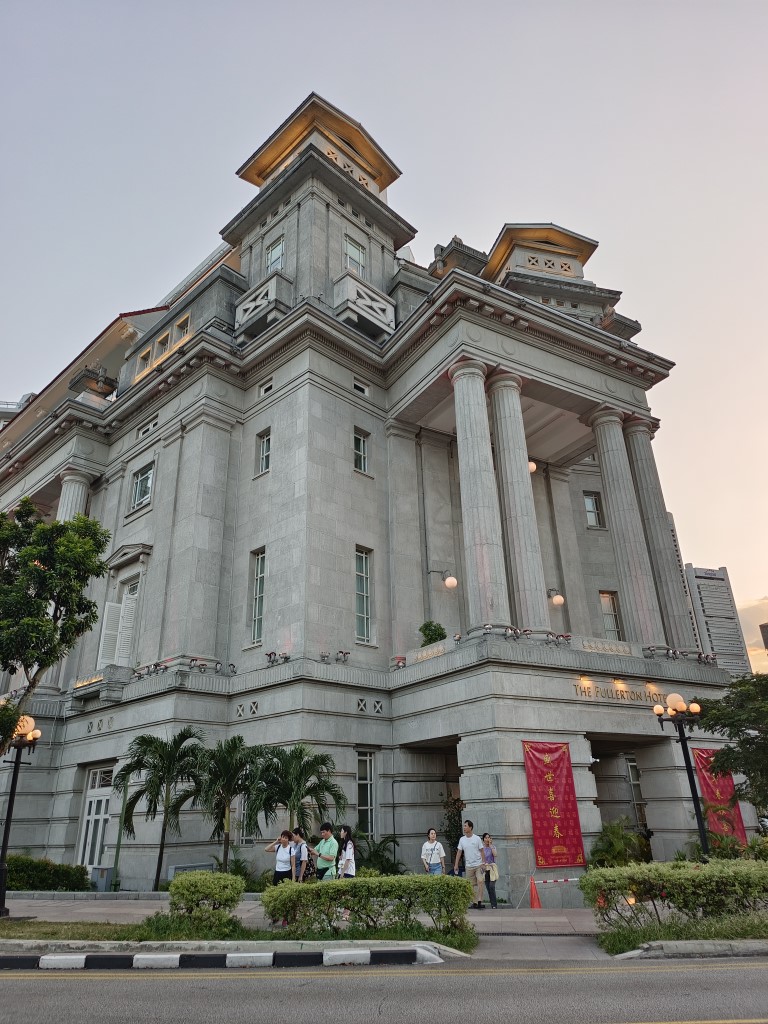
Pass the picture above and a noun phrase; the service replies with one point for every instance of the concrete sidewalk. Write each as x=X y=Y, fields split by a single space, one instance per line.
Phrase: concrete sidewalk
x=505 y=934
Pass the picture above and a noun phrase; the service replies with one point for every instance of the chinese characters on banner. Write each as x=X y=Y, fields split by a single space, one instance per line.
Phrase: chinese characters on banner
x=557 y=838
x=717 y=792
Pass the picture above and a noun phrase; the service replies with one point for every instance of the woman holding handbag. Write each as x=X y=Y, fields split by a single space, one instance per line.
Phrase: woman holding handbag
x=433 y=855
x=491 y=868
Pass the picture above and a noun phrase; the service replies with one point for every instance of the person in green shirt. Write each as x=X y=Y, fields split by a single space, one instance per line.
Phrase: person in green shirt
x=325 y=852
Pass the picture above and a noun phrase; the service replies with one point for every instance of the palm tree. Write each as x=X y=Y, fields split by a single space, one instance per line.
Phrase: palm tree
x=228 y=771
x=301 y=774
x=165 y=766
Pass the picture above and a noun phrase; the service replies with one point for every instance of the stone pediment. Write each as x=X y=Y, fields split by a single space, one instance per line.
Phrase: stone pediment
x=126 y=554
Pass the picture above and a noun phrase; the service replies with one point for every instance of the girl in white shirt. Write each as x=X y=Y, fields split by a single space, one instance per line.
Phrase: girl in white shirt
x=433 y=855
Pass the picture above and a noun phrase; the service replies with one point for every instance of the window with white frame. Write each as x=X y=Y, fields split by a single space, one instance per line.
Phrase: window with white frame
x=257 y=605
x=147 y=427
x=265 y=447
x=354 y=256
x=360 y=386
x=609 y=605
x=593 y=506
x=366 y=818
x=162 y=345
x=265 y=388
x=141 y=488
x=361 y=450
x=181 y=330
x=95 y=816
x=362 y=595
x=274 y=255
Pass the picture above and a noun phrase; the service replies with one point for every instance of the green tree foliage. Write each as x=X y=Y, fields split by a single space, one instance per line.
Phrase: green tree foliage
x=453 y=821
x=742 y=717
x=233 y=770
x=303 y=781
x=168 y=771
x=432 y=632
x=44 y=571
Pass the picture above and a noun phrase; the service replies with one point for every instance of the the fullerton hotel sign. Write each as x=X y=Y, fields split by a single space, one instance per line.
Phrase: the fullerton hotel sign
x=618 y=692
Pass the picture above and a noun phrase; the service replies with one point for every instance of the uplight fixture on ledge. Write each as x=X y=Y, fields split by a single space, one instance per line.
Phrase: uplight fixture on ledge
x=325 y=656
x=555 y=596
x=457 y=638
x=487 y=628
x=342 y=655
x=447 y=577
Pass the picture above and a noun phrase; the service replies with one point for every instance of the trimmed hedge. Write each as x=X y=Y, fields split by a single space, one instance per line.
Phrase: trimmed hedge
x=196 y=891
x=389 y=901
x=26 y=874
x=641 y=893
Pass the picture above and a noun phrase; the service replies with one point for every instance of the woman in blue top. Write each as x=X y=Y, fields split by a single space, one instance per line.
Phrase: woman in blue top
x=491 y=868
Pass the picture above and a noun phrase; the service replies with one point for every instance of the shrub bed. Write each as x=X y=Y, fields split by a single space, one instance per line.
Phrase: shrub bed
x=642 y=893
x=26 y=874
x=205 y=898
x=373 y=903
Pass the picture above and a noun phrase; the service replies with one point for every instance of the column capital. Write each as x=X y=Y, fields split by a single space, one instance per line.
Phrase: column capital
x=77 y=475
x=467 y=368
x=602 y=414
x=641 y=425
x=505 y=379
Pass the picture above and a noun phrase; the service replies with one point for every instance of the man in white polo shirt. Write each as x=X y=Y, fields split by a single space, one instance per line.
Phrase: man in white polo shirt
x=472 y=847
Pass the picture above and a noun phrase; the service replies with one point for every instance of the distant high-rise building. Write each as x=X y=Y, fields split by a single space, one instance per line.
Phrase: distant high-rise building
x=764 y=634
x=717 y=620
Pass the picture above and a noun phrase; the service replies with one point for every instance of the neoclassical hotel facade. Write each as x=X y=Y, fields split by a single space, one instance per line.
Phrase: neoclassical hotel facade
x=297 y=453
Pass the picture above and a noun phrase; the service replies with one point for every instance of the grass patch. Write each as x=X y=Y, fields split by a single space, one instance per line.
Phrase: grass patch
x=162 y=927
x=738 y=926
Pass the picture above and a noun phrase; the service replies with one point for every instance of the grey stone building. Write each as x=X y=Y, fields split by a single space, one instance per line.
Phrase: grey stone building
x=717 y=619
x=294 y=452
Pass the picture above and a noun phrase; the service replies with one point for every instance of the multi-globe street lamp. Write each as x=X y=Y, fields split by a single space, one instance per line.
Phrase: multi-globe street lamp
x=683 y=716
x=24 y=738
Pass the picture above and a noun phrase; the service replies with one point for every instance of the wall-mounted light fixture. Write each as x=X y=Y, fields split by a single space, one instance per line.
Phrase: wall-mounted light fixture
x=271 y=657
x=532 y=467
x=400 y=661
x=285 y=657
x=457 y=638
x=447 y=577
x=232 y=668
x=218 y=666
x=342 y=655
x=325 y=656
x=555 y=596
x=487 y=628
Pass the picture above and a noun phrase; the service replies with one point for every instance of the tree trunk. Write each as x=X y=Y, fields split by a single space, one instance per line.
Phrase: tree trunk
x=161 y=851
x=225 y=853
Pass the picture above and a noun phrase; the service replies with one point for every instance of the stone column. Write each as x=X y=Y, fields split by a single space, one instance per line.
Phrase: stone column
x=75 y=486
x=405 y=548
x=638 y=603
x=486 y=589
x=521 y=531
x=576 y=606
x=666 y=567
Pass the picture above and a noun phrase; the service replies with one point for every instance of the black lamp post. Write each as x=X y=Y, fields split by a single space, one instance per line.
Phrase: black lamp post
x=683 y=716
x=25 y=738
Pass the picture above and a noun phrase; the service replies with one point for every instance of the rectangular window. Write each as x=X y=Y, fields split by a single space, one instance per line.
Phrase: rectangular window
x=609 y=605
x=145 y=360
x=362 y=595
x=181 y=330
x=360 y=387
x=257 y=609
x=265 y=445
x=354 y=256
x=147 y=428
x=141 y=491
x=594 y=509
x=265 y=388
x=361 y=450
x=366 y=821
x=274 y=256
x=163 y=344
x=638 y=802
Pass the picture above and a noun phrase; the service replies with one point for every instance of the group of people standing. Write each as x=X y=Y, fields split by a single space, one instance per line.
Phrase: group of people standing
x=331 y=858
x=296 y=860
x=479 y=855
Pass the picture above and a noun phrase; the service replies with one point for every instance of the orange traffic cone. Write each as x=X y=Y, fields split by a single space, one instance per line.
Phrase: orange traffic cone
x=535 y=901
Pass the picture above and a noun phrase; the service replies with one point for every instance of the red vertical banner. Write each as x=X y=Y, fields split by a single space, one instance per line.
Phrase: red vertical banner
x=718 y=793
x=557 y=839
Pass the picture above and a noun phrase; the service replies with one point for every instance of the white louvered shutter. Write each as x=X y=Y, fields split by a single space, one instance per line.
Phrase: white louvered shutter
x=125 y=632
x=110 y=628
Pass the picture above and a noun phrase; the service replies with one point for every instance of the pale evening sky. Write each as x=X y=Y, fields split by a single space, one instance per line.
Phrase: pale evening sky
x=640 y=124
